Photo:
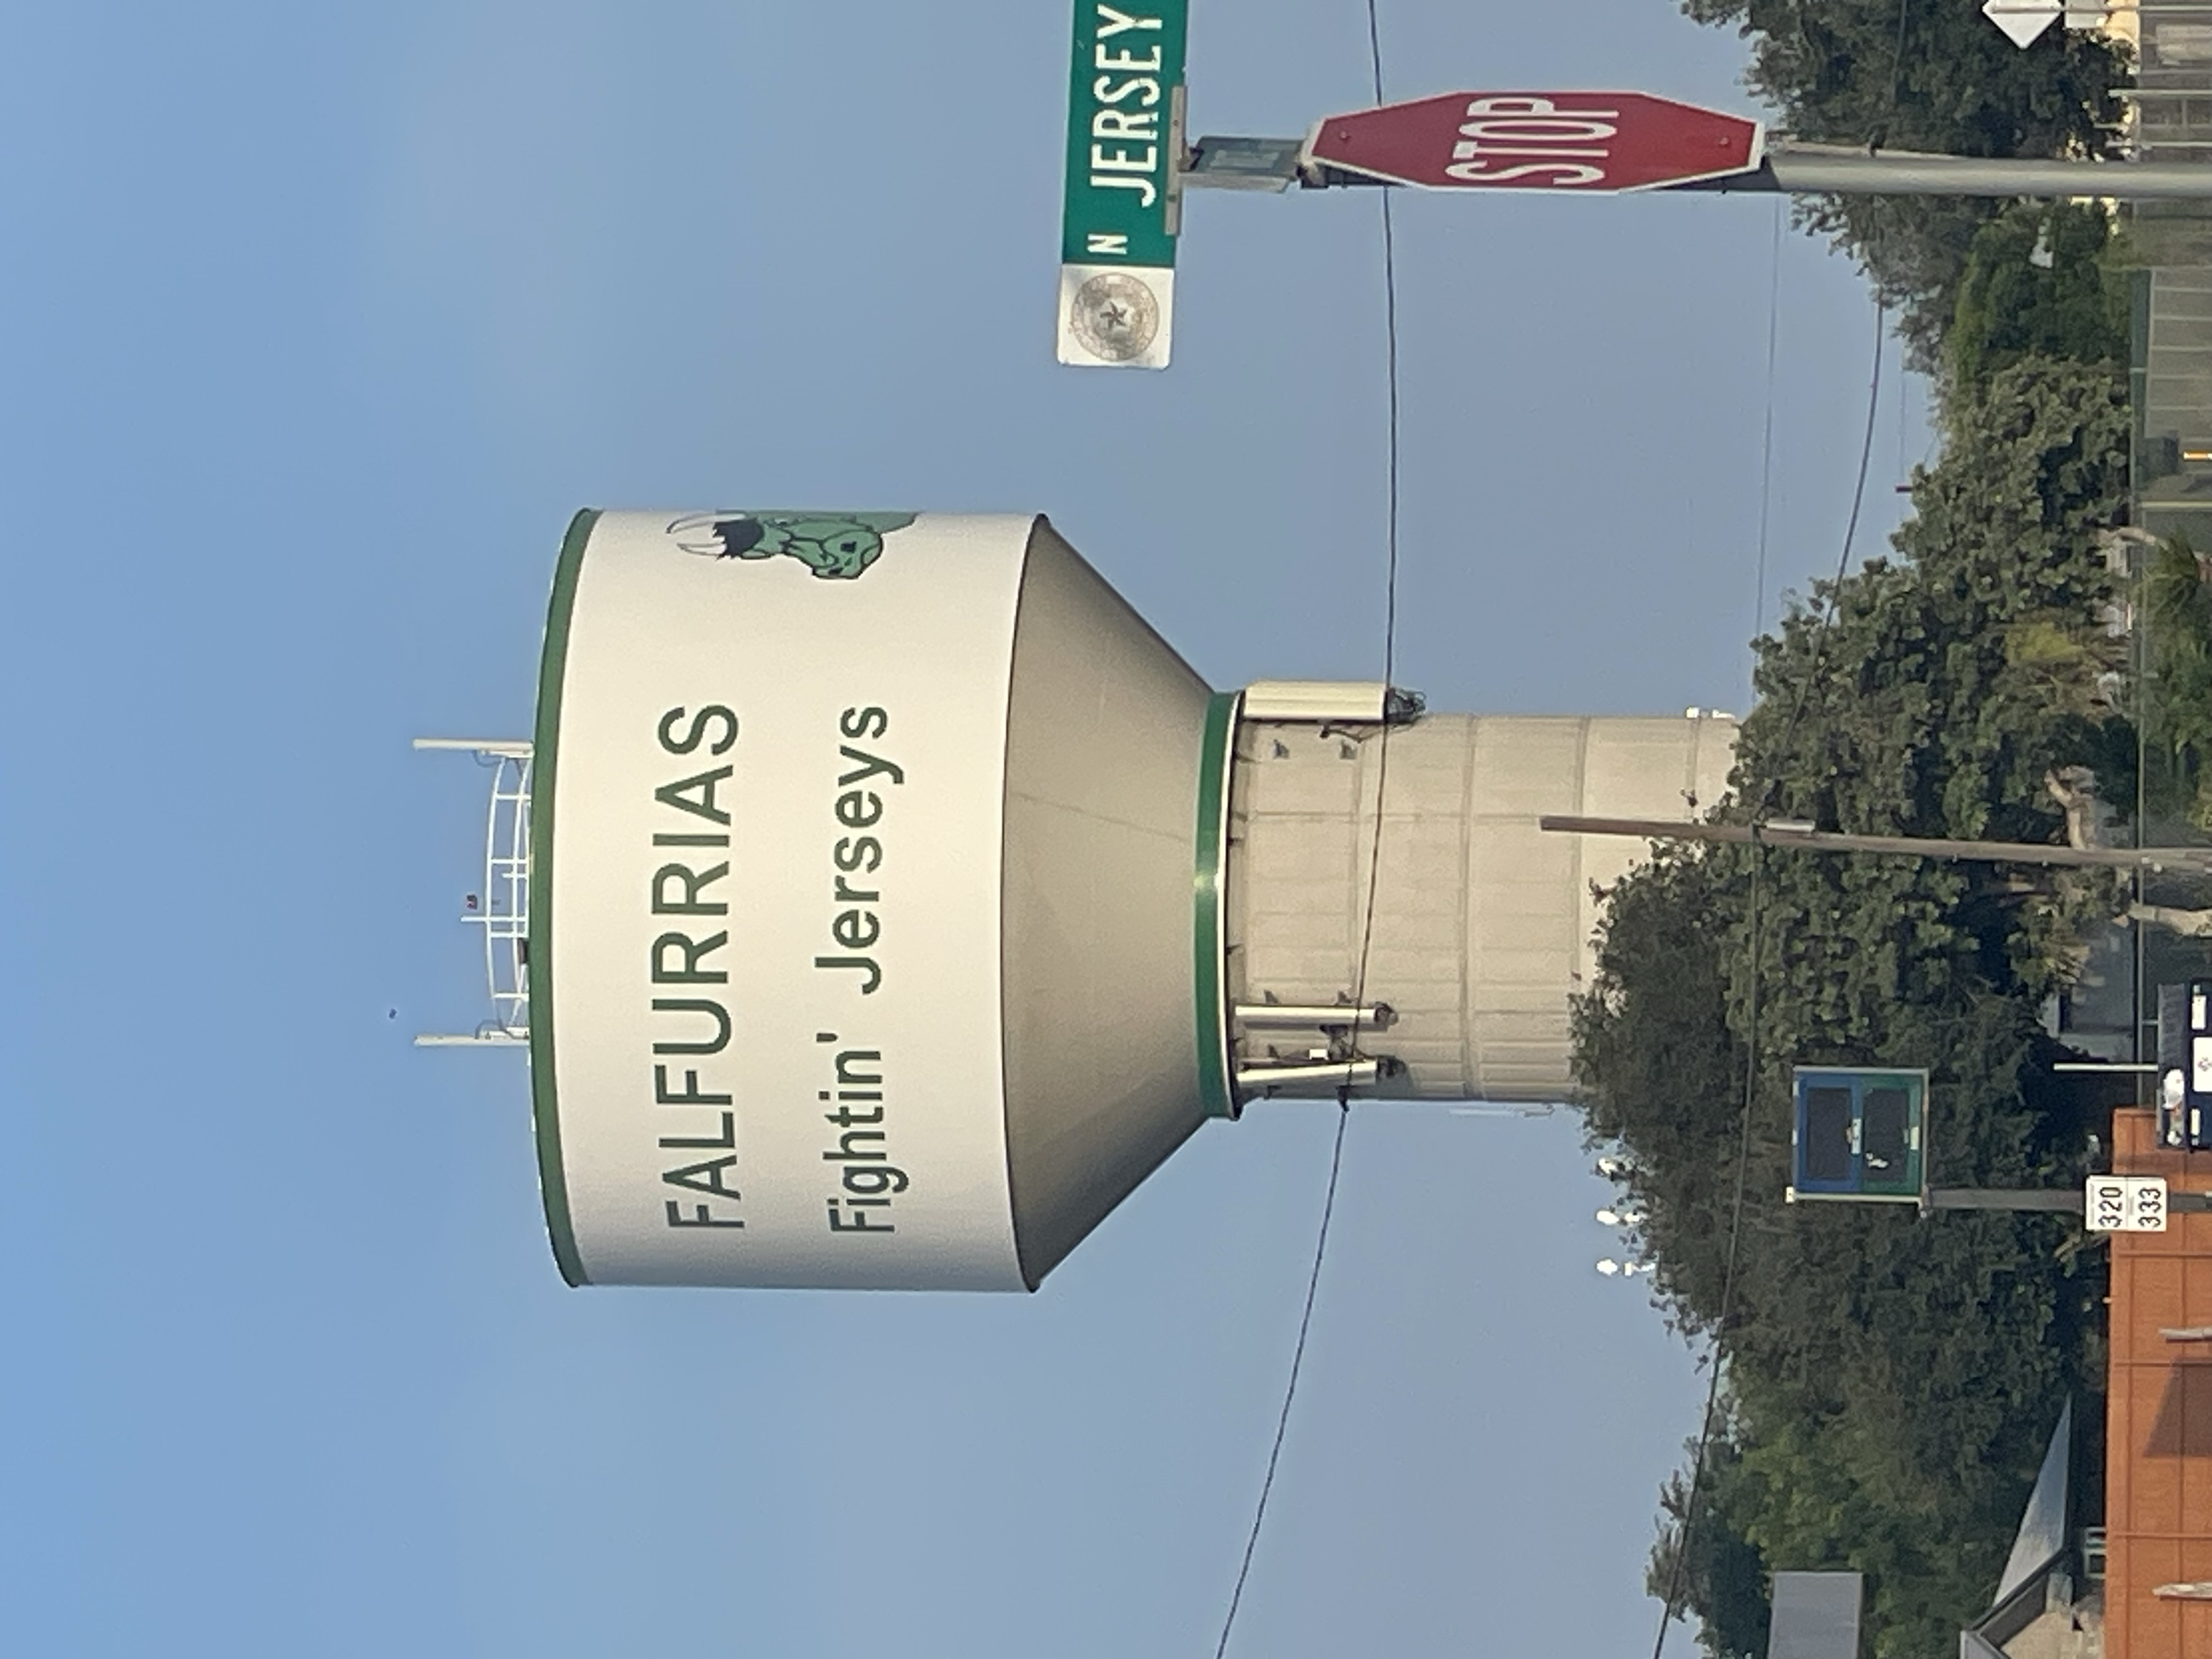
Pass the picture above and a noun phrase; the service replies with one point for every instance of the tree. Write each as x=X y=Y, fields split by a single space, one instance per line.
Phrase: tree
x=2176 y=712
x=1889 y=1380
x=2035 y=284
x=1927 y=77
x=1723 y=1582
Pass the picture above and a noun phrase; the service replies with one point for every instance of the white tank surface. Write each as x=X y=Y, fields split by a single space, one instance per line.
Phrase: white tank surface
x=859 y=900
x=1103 y=818
x=879 y=900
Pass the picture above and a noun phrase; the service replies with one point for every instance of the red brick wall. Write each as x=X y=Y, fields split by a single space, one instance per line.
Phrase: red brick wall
x=2158 y=1432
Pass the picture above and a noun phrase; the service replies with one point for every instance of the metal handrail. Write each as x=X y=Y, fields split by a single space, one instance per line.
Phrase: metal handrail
x=502 y=908
x=504 y=916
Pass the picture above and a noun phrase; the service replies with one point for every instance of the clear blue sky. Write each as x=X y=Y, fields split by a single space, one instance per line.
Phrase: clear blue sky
x=321 y=322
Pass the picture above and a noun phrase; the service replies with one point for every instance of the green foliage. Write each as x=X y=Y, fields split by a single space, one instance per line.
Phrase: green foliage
x=1724 y=1576
x=2178 y=680
x=1841 y=71
x=2009 y=307
x=1890 y=1380
x=1932 y=703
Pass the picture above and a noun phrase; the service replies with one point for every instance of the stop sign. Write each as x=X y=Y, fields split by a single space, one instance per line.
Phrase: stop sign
x=1594 y=141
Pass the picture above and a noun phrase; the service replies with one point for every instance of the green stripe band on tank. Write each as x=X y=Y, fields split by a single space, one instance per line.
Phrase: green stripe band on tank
x=1216 y=752
x=545 y=1101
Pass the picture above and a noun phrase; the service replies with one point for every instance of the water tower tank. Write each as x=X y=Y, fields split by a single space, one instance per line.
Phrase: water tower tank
x=880 y=899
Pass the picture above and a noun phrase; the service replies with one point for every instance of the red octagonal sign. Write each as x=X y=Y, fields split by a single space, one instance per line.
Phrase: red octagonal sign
x=1596 y=141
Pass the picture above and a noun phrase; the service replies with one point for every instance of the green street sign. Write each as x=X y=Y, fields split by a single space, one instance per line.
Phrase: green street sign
x=1118 y=229
x=1127 y=66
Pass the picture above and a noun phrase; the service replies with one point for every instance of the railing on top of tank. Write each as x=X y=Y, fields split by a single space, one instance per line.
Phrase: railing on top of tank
x=501 y=906
x=504 y=905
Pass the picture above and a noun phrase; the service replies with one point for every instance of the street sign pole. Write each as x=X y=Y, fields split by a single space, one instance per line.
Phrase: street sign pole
x=1128 y=165
x=1236 y=163
x=1123 y=206
x=1603 y=143
x=2107 y=1204
x=2056 y=1200
x=1816 y=169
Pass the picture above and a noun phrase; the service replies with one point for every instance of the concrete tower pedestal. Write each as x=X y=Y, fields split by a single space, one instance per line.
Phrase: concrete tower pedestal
x=1483 y=924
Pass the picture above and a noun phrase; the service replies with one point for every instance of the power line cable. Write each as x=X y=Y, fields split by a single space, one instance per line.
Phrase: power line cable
x=1702 y=1455
x=1374 y=867
x=1896 y=77
x=1728 y=1278
x=1390 y=539
x=1758 y=867
x=1843 y=557
x=1290 y=1393
x=1766 y=432
x=1389 y=586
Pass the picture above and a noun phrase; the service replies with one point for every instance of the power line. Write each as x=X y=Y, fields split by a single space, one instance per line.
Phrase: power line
x=1843 y=558
x=1391 y=539
x=1375 y=49
x=1389 y=582
x=1686 y=1533
x=1374 y=864
x=1701 y=1455
x=1766 y=432
x=1289 y=1392
x=1728 y=1278
x=1896 y=74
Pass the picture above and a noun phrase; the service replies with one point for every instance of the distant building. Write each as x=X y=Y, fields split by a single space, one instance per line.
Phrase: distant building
x=2050 y=1602
x=2158 y=1428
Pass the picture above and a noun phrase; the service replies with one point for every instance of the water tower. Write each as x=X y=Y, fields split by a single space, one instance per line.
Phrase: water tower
x=879 y=899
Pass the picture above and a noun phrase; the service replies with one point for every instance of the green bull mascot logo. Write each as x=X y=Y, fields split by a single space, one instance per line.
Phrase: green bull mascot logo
x=836 y=546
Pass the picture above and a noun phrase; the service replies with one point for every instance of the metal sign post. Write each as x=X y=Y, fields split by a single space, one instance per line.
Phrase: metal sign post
x=1837 y=170
x=1604 y=142
x=1128 y=165
x=2107 y=1204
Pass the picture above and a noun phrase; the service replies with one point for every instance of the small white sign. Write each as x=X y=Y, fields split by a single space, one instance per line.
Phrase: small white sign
x=1116 y=316
x=2125 y=1204
x=2023 y=21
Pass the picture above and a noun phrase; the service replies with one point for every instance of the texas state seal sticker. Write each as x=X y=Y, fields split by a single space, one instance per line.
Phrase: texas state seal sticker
x=1115 y=316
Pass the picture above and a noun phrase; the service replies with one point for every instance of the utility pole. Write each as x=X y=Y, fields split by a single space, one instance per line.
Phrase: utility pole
x=1792 y=832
